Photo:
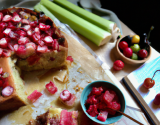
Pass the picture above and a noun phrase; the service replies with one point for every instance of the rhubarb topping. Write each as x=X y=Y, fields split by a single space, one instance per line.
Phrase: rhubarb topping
x=20 y=27
x=34 y=96
x=7 y=91
x=65 y=95
x=51 y=87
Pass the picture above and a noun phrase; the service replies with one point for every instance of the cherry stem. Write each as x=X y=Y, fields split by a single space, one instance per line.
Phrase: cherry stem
x=152 y=27
x=155 y=73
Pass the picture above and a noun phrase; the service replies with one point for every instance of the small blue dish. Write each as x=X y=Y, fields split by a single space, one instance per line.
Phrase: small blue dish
x=108 y=85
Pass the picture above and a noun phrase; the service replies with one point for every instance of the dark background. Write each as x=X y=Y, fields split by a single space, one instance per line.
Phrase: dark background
x=139 y=16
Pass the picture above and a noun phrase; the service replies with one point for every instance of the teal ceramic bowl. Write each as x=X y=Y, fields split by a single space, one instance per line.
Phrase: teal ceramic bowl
x=108 y=85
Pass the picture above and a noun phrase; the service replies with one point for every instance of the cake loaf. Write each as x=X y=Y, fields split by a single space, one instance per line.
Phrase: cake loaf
x=28 y=41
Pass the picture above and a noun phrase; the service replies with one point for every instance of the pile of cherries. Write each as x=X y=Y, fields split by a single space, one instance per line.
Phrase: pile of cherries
x=133 y=48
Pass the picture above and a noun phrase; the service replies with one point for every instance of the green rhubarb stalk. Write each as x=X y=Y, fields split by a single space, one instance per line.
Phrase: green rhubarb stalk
x=37 y=8
x=85 y=28
x=97 y=20
x=40 y=7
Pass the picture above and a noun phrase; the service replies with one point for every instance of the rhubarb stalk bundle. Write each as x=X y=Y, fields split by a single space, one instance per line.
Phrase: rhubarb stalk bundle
x=92 y=32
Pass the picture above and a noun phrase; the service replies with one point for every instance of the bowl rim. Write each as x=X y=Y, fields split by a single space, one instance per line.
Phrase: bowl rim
x=128 y=59
x=83 y=106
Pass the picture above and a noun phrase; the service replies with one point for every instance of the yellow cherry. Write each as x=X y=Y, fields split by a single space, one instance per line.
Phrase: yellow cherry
x=135 y=39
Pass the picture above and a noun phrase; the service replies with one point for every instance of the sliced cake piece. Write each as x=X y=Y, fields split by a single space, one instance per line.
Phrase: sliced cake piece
x=56 y=116
x=12 y=93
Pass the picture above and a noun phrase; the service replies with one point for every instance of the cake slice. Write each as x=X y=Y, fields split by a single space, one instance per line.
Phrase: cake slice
x=18 y=97
x=56 y=116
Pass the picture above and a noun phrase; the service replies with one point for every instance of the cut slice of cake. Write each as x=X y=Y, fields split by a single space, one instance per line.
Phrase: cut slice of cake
x=56 y=116
x=18 y=97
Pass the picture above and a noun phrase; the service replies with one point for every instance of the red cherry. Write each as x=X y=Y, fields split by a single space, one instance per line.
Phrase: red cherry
x=118 y=65
x=123 y=44
x=127 y=52
x=148 y=83
x=157 y=99
x=142 y=53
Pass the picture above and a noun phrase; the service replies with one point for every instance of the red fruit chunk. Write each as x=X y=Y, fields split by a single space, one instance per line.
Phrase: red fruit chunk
x=51 y=87
x=33 y=23
x=157 y=99
x=100 y=97
x=16 y=18
x=115 y=95
x=142 y=53
x=1 y=51
x=7 y=91
x=101 y=105
x=44 y=27
x=13 y=35
x=2 y=25
x=33 y=59
x=10 y=25
x=29 y=33
x=48 y=40
x=123 y=44
x=92 y=110
x=108 y=97
x=36 y=30
x=21 y=33
x=34 y=96
x=65 y=95
x=6 y=31
x=49 y=32
x=20 y=50
x=113 y=105
x=71 y=101
x=1 y=82
x=55 y=45
x=127 y=52
x=102 y=116
x=1 y=16
x=26 y=27
x=96 y=91
x=91 y=100
x=69 y=58
x=3 y=42
x=118 y=65
x=1 y=70
x=36 y=37
x=6 y=53
x=42 y=49
x=7 y=18
x=23 y=40
x=41 y=43
x=25 y=21
x=148 y=83
x=68 y=118
x=30 y=48
x=10 y=46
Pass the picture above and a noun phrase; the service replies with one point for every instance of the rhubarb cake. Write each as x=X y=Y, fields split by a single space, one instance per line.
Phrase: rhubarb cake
x=28 y=41
x=32 y=38
x=56 y=116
